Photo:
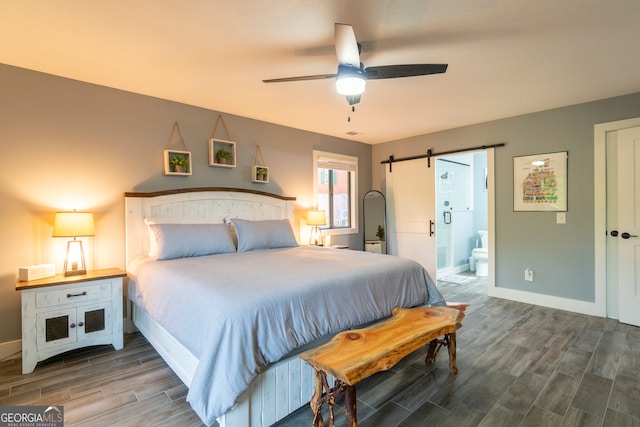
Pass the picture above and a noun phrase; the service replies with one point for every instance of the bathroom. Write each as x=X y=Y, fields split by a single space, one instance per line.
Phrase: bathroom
x=461 y=214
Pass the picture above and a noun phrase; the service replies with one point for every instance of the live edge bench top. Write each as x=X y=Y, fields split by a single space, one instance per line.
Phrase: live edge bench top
x=354 y=355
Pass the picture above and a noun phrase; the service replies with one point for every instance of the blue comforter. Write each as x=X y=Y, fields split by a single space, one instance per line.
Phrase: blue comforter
x=238 y=313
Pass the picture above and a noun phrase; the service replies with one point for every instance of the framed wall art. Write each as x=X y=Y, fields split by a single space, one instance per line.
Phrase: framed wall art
x=540 y=182
x=222 y=153
x=177 y=162
x=260 y=174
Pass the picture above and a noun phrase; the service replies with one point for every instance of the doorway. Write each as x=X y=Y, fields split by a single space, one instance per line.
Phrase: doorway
x=606 y=259
x=623 y=225
x=461 y=210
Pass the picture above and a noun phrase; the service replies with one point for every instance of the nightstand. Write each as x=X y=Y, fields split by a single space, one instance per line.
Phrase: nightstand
x=64 y=313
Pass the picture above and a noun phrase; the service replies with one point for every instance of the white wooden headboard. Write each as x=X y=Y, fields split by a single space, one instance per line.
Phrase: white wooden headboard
x=198 y=205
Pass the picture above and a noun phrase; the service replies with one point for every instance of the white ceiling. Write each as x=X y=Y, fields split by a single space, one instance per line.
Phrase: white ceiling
x=506 y=57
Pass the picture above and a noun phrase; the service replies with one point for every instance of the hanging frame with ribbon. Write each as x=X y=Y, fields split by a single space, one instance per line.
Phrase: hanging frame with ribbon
x=259 y=172
x=222 y=152
x=177 y=162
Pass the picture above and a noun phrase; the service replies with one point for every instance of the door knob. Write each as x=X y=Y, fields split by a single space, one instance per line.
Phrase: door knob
x=626 y=235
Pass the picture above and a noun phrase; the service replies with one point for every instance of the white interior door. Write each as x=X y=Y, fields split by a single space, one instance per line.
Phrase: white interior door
x=411 y=212
x=629 y=225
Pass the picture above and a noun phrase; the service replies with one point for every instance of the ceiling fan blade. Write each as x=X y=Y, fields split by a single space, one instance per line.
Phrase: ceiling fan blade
x=396 y=71
x=347 y=49
x=300 y=78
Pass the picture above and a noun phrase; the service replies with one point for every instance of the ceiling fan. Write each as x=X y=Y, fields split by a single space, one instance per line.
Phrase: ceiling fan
x=352 y=76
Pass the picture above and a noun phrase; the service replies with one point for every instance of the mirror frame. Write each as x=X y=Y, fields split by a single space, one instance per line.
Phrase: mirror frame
x=364 y=219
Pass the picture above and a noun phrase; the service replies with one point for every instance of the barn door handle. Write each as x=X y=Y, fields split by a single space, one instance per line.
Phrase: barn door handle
x=626 y=235
x=431 y=231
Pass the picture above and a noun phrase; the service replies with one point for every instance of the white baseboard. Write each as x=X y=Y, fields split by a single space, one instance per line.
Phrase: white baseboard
x=576 y=306
x=10 y=350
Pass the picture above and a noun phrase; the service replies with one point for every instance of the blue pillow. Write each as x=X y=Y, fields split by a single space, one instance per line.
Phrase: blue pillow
x=189 y=240
x=266 y=234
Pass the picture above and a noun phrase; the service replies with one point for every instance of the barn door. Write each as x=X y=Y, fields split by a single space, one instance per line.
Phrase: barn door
x=411 y=211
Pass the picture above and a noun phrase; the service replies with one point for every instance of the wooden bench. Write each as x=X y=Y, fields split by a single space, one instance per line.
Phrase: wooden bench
x=352 y=356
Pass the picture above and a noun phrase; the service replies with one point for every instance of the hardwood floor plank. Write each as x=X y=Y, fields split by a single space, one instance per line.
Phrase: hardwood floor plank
x=615 y=418
x=125 y=410
x=523 y=393
x=389 y=414
x=81 y=412
x=625 y=396
x=156 y=416
x=499 y=416
x=577 y=418
x=574 y=362
x=557 y=394
x=541 y=417
x=592 y=394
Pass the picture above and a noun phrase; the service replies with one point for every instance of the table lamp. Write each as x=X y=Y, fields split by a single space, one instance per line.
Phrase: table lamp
x=315 y=218
x=74 y=224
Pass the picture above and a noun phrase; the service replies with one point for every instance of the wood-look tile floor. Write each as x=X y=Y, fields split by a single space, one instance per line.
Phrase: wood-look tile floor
x=520 y=365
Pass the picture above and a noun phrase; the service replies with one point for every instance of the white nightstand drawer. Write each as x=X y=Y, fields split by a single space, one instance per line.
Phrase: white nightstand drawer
x=77 y=294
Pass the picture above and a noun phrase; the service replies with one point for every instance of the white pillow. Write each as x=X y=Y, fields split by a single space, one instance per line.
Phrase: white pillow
x=267 y=234
x=189 y=240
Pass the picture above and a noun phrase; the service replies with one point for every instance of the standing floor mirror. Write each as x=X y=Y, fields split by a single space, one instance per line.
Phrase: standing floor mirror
x=374 y=222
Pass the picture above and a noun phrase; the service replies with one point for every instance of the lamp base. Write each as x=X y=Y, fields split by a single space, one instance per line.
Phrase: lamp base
x=315 y=238
x=74 y=259
x=75 y=272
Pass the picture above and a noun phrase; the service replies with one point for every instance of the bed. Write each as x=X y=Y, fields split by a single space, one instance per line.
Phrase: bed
x=229 y=318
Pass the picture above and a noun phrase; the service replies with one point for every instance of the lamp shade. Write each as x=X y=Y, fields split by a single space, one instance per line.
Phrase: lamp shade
x=315 y=217
x=73 y=224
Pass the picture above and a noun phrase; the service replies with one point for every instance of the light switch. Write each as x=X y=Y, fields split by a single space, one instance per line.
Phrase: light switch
x=561 y=217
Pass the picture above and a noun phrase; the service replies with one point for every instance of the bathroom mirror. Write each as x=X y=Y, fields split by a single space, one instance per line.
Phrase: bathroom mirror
x=374 y=222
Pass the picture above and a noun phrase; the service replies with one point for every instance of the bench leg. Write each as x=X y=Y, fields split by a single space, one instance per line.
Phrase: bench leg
x=431 y=354
x=350 y=406
x=449 y=341
x=316 y=400
x=324 y=393
x=451 y=346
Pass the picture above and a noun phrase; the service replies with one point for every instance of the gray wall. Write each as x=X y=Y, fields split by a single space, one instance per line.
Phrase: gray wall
x=68 y=144
x=561 y=255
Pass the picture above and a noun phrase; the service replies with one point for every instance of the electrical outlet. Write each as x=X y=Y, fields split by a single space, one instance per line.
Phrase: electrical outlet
x=528 y=275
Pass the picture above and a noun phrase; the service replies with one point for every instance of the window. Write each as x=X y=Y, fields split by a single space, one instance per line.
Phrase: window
x=335 y=189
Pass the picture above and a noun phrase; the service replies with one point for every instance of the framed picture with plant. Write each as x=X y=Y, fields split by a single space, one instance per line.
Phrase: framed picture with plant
x=260 y=174
x=177 y=162
x=222 y=153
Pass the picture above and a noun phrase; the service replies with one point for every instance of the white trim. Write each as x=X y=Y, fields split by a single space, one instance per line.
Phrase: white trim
x=491 y=206
x=600 y=206
x=351 y=163
x=10 y=350
x=576 y=306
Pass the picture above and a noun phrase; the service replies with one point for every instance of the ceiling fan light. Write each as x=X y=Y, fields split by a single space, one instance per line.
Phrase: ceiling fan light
x=350 y=84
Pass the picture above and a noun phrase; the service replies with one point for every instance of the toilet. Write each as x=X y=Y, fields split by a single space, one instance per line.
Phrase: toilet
x=481 y=255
